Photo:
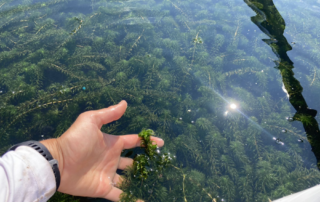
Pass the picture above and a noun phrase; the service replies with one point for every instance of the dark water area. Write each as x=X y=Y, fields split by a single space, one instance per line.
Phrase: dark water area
x=233 y=87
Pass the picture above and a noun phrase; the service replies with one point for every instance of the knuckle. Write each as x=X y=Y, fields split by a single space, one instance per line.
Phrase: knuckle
x=84 y=115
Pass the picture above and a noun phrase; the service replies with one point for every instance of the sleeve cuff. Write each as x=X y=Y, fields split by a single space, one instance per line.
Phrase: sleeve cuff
x=29 y=175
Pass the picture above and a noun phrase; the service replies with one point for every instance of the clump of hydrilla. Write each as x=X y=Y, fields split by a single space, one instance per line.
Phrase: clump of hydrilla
x=146 y=170
x=152 y=160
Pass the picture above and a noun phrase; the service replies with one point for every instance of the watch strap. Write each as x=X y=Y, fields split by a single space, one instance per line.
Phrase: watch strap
x=45 y=153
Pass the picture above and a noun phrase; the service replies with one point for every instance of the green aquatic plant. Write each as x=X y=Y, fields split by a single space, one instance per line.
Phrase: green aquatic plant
x=151 y=163
x=56 y=64
x=152 y=160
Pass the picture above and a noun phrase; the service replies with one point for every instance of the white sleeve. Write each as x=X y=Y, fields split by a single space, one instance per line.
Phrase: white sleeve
x=26 y=176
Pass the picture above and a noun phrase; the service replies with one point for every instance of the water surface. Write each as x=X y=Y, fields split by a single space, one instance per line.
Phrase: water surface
x=215 y=82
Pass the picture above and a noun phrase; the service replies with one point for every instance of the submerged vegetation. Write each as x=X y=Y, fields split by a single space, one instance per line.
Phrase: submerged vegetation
x=150 y=164
x=179 y=65
x=151 y=160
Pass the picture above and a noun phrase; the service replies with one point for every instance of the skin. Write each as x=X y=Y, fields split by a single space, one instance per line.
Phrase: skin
x=88 y=158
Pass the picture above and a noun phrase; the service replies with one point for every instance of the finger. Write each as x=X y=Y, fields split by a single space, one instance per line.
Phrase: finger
x=124 y=162
x=157 y=140
x=118 y=180
x=114 y=194
x=107 y=115
x=132 y=141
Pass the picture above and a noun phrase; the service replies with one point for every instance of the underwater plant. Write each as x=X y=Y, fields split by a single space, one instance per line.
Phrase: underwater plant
x=179 y=65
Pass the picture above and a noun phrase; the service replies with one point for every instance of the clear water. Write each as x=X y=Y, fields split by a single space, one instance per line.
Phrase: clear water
x=196 y=72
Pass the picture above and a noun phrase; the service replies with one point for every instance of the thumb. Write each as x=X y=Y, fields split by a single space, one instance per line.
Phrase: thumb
x=107 y=115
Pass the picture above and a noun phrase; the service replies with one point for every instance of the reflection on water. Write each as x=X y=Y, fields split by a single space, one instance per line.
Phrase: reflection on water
x=275 y=29
x=220 y=81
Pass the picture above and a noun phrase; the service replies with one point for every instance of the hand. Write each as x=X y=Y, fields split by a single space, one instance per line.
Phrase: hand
x=88 y=158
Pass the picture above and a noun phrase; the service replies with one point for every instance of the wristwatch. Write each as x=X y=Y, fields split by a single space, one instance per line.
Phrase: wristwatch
x=45 y=153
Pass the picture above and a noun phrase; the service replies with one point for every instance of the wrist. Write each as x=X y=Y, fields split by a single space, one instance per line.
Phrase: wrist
x=55 y=150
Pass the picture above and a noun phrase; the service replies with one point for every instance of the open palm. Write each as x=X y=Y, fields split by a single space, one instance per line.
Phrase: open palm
x=91 y=157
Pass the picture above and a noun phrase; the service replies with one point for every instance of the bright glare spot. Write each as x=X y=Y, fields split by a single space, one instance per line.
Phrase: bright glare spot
x=226 y=113
x=233 y=106
x=274 y=138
